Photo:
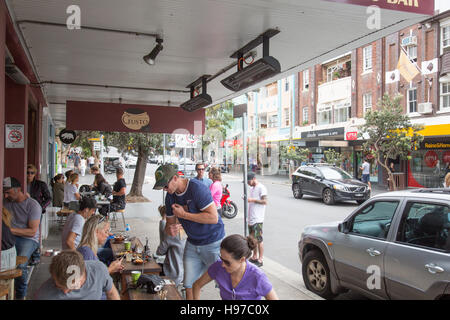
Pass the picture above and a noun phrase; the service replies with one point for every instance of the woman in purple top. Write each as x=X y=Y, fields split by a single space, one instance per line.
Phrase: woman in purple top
x=237 y=279
x=216 y=187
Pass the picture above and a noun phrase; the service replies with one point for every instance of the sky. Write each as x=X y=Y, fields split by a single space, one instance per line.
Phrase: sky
x=442 y=5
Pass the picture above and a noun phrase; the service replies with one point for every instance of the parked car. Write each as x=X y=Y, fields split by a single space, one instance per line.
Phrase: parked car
x=329 y=183
x=394 y=246
x=131 y=162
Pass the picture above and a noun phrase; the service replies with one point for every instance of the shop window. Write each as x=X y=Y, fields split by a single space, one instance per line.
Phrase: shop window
x=412 y=100
x=428 y=167
x=445 y=96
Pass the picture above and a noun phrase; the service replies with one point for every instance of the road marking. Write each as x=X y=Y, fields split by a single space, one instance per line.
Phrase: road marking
x=288 y=276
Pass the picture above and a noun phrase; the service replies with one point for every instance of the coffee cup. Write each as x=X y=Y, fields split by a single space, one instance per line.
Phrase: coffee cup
x=135 y=276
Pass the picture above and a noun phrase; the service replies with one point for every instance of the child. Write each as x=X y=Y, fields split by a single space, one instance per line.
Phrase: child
x=173 y=249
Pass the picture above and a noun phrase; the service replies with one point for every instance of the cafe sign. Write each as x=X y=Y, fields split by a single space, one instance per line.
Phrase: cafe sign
x=136 y=119
x=413 y=6
x=323 y=133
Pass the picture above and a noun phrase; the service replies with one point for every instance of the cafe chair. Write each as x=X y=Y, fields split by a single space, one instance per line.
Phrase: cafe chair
x=113 y=218
x=7 y=279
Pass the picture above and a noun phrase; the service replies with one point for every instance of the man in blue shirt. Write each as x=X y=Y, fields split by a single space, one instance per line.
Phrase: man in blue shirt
x=190 y=202
x=200 y=168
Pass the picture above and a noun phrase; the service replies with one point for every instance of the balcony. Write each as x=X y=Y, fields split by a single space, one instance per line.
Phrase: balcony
x=336 y=90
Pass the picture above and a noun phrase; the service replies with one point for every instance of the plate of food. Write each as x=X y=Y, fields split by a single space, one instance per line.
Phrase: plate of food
x=138 y=261
x=119 y=239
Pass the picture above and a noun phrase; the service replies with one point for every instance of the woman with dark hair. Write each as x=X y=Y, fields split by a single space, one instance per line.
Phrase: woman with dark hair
x=237 y=279
x=102 y=187
x=57 y=185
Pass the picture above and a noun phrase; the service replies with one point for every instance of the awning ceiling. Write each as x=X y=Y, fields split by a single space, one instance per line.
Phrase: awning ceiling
x=199 y=36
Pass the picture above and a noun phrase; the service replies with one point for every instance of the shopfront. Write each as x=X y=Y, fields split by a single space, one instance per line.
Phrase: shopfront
x=427 y=166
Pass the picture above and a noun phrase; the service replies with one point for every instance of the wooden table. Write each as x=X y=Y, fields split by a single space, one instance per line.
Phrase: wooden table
x=150 y=267
x=130 y=293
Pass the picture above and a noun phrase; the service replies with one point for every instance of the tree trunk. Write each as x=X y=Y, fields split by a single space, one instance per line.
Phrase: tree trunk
x=139 y=174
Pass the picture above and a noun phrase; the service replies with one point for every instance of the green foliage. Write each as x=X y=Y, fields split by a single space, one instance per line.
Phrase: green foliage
x=219 y=118
x=134 y=143
x=82 y=141
x=294 y=153
x=389 y=133
x=333 y=157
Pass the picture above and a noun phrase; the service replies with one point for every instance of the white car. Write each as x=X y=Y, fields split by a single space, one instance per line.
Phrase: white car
x=131 y=162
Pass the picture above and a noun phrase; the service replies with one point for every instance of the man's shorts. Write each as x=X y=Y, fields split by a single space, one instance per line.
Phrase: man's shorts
x=365 y=178
x=256 y=231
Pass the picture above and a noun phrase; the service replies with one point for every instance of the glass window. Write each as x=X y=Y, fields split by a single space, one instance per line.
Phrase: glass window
x=412 y=100
x=334 y=173
x=341 y=113
x=324 y=114
x=367 y=58
x=273 y=121
x=330 y=72
x=286 y=88
x=412 y=52
x=426 y=225
x=367 y=102
x=305 y=80
x=374 y=219
x=305 y=115
x=445 y=95
x=286 y=117
x=446 y=37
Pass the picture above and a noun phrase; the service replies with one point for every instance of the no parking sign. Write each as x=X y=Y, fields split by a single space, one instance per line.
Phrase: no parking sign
x=14 y=136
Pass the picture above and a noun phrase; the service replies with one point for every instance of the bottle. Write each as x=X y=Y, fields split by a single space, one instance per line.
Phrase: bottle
x=127 y=230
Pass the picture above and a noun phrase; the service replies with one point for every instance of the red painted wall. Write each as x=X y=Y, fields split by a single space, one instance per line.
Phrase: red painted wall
x=2 y=98
x=16 y=113
x=97 y=116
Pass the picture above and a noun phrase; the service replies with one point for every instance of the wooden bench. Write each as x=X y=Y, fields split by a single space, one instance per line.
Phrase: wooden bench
x=4 y=292
x=7 y=279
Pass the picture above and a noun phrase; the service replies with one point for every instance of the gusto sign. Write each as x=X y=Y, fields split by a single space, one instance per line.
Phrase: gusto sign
x=431 y=159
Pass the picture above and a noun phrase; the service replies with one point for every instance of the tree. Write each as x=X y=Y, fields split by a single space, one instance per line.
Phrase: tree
x=333 y=157
x=218 y=118
x=389 y=133
x=139 y=145
x=294 y=153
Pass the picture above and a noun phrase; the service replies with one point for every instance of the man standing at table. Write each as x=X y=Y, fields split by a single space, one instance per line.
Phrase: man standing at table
x=26 y=214
x=191 y=202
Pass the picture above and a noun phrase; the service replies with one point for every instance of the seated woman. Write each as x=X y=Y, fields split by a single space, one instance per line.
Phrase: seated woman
x=57 y=185
x=95 y=233
x=71 y=190
x=102 y=187
x=237 y=279
x=173 y=249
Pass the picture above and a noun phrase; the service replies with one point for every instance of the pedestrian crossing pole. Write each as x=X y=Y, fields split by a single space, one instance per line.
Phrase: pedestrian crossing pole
x=244 y=145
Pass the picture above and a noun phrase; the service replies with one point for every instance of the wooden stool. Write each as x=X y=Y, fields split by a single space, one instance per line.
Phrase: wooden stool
x=63 y=214
x=4 y=292
x=7 y=279
x=21 y=260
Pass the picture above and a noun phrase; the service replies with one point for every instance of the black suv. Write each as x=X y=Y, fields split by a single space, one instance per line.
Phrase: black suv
x=329 y=183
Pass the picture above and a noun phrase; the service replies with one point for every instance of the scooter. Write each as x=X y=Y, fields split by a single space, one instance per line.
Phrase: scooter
x=229 y=208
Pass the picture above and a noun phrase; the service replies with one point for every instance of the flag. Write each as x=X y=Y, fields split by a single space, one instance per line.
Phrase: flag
x=407 y=68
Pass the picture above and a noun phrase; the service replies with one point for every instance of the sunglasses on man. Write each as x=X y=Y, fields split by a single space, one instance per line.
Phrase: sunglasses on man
x=31 y=172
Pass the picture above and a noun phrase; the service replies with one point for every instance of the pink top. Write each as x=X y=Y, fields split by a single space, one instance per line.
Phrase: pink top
x=216 y=192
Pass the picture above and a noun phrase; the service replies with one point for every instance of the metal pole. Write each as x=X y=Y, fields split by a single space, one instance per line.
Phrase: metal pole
x=163 y=161
x=102 y=166
x=244 y=144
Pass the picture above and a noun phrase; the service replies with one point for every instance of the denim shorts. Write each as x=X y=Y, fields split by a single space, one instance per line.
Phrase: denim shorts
x=197 y=260
x=365 y=178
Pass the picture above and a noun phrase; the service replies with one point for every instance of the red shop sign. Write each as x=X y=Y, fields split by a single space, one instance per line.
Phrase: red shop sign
x=446 y=157
x=351 y=136
x=431 y=158
x=415 y=6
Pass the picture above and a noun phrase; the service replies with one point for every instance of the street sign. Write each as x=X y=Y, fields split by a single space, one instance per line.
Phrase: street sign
x=14 y=134
x=186 y=141
x=97 y=146
x=67 y=136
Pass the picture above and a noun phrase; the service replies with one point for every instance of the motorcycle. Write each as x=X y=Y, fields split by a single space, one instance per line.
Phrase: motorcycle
x=229 y=208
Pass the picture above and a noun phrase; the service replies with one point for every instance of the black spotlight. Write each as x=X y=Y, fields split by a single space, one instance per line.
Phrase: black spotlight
x=150 y=58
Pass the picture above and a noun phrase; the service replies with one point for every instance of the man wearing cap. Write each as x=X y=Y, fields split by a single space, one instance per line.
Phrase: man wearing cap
x=257 y=202
x=190 y=202
x=26 y=214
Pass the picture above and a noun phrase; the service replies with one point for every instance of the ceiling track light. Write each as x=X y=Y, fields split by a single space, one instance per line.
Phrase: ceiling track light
x=200 y=100
x=150 y=58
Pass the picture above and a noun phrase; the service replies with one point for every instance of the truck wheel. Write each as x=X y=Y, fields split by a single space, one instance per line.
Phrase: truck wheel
x=316 y=274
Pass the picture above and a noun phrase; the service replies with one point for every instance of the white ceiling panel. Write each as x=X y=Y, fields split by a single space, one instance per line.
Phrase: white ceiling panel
x=199 y=36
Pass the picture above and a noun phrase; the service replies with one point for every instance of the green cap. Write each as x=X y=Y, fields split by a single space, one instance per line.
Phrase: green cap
x=163 y=174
